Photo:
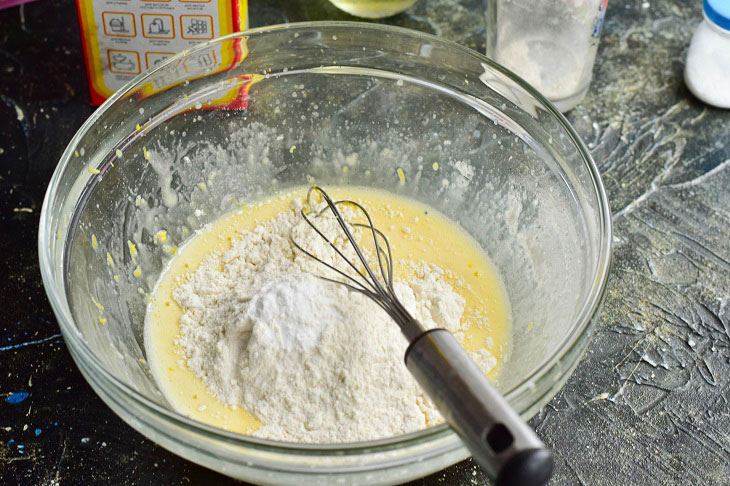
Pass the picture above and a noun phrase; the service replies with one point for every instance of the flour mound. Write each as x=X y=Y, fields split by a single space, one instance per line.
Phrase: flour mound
x=314 y=361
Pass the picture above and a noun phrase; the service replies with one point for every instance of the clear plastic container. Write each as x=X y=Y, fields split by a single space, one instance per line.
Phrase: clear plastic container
x=551 y=44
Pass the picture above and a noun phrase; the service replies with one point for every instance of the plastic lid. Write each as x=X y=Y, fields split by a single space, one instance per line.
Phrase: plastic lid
x=718 y=11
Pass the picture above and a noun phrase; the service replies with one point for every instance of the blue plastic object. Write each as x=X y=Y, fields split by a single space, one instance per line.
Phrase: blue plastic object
x=718 y=11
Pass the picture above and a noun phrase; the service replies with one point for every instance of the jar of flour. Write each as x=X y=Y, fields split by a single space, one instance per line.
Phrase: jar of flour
x=551 y=44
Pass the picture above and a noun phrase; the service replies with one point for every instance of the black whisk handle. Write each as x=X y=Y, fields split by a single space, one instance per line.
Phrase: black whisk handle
x=500 y=441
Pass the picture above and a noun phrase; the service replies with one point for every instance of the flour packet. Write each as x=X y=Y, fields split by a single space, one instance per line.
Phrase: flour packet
x=123 y=38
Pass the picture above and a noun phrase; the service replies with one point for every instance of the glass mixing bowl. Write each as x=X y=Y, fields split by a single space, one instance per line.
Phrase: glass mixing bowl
x=238 y=118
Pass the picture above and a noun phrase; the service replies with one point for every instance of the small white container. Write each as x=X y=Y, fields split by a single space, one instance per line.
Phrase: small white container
x=707 y=71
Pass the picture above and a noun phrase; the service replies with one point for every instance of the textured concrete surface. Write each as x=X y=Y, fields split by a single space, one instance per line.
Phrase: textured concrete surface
x=647 y=405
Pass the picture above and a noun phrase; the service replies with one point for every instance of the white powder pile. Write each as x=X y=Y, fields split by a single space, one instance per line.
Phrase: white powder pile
x=312 y=360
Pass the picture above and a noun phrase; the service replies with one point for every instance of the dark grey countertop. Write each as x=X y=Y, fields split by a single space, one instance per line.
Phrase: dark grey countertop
x=647 y=405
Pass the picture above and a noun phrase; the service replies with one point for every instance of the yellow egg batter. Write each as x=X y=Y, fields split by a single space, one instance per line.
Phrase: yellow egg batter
x=416 y=232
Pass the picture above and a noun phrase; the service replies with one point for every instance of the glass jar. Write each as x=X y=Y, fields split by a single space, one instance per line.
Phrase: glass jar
x=551 y=44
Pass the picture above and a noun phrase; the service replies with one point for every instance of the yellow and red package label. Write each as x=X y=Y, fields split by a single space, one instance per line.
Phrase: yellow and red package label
x=225 y=55
x=123 y=38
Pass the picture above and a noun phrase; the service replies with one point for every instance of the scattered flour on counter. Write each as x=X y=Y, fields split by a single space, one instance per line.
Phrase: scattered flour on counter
x=312 y=360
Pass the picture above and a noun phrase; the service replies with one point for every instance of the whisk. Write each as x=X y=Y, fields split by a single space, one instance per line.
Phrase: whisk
x=500 y=441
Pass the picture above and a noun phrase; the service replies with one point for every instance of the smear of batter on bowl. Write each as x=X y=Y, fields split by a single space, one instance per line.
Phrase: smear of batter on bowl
x=241 y=335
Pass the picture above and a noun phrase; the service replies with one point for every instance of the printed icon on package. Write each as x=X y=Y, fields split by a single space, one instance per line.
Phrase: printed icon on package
x=119 y=24
x=123 y=62
x=155 y=58
x=206 y=60
x=157 y=26
x=196 y=26
x=199 y=62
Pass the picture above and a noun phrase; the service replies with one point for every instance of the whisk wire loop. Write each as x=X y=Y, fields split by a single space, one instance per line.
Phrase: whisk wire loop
x=333 y=207
x=337 y=250
x=379 y=289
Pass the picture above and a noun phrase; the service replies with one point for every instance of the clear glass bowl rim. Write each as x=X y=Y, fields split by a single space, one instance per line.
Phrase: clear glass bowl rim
x=579 y=331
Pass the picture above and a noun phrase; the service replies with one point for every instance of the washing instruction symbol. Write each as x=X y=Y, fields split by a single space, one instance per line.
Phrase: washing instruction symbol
x=121 y=62
x=117 y=25
x=157 y=26
x=197 y=27
x=205 y=61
